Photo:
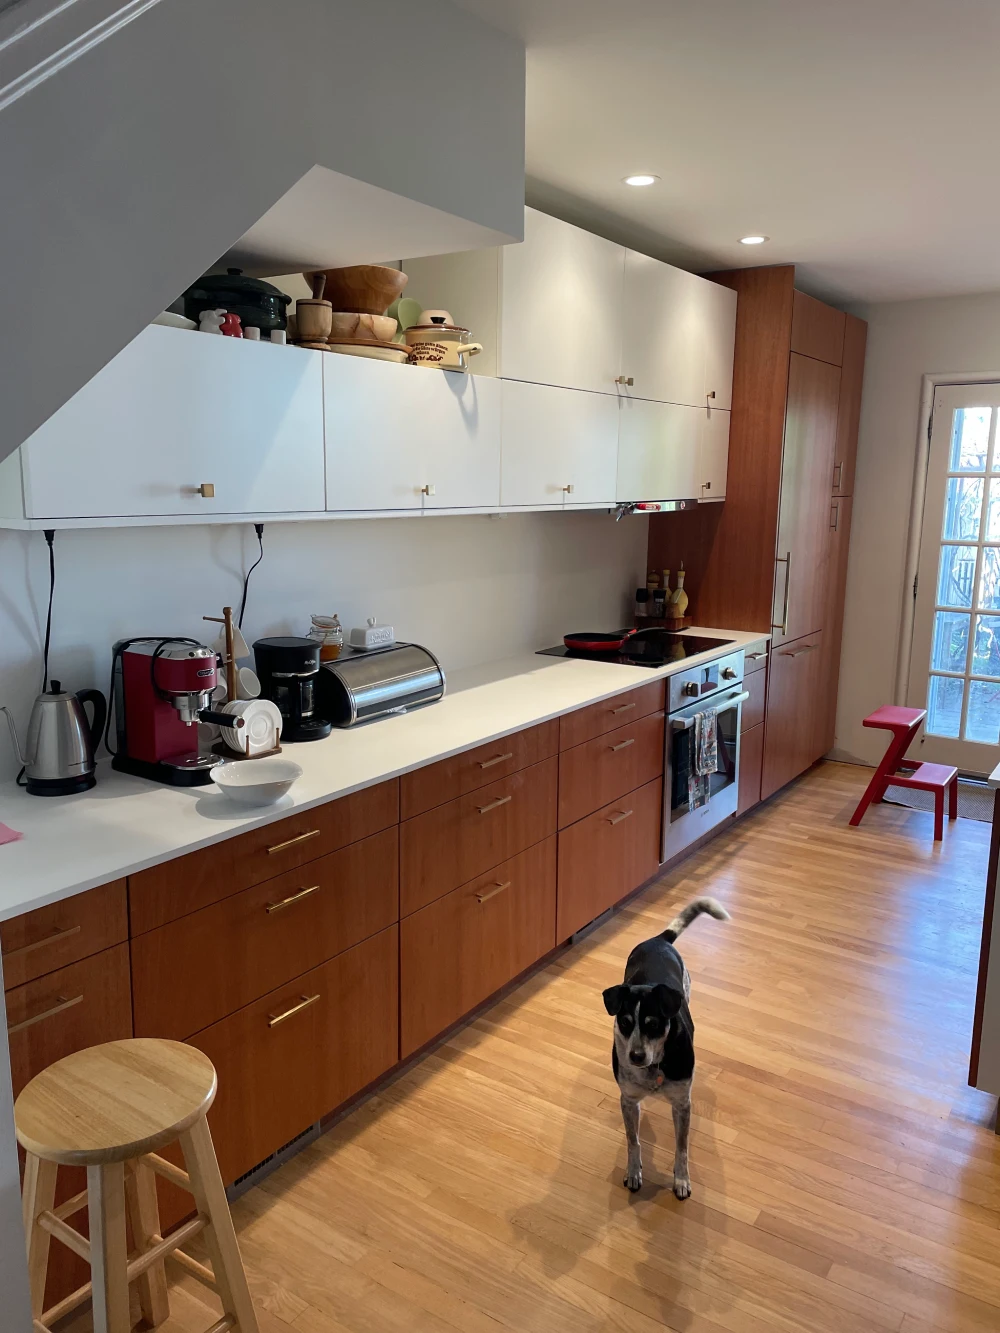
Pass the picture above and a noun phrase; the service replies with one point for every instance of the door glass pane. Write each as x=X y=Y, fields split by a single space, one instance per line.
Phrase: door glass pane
x=989 y=579
x=983 y=720
x=944 y=705
x=986 y=651
x=956 y=576
x=951 y=641
x=992 y=533
x=962 y=507
x=970 y=439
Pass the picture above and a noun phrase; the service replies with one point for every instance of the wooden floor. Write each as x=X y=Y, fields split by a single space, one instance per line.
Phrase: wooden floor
x=845 y=1178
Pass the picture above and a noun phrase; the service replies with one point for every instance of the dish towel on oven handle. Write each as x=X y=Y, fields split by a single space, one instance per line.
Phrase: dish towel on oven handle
x=705 y=759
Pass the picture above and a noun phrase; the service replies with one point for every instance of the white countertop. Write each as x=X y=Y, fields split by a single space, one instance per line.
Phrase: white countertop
x=994 y=777
x=124 y=824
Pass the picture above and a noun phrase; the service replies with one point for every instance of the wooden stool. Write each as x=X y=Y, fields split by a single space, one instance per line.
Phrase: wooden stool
x=904 y=723
x=109 y=1108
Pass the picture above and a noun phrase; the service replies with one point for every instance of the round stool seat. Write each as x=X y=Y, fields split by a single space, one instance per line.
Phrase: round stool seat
x=114 y=1102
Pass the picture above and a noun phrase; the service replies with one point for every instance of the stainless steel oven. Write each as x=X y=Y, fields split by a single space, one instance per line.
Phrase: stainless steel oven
x=715 y=689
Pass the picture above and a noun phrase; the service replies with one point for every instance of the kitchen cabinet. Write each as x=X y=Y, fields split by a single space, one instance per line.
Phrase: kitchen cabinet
x=409 y=438
x=713 y=448
x=678 y=335
x=601 y=770
x=793 y=732
x=583 y=724
x=450 y=778
x=751 y=759
x=752 y=714
x=849 y=409
x=560 y=447
x=52 y=937
x=817 y=329
x=804 y=503
x=456 y=952
x=183 y=425
x=839 y=537
x=658 y=451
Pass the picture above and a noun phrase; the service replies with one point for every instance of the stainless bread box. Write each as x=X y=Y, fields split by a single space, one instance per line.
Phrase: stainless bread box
x=362 y=686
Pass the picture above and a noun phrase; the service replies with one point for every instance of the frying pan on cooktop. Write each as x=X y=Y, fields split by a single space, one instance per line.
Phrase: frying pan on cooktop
x=585 y=642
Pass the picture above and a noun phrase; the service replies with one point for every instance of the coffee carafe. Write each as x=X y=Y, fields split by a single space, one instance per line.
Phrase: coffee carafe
x=288 y=668
x=58 y=756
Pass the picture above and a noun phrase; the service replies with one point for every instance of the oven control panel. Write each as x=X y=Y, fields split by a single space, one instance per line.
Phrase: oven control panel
x=700 y=682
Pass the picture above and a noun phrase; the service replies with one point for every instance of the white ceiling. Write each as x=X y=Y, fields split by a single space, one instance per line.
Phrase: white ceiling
x=860 y=135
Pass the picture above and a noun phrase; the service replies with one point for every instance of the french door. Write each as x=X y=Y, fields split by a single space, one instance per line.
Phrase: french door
x=955 y=655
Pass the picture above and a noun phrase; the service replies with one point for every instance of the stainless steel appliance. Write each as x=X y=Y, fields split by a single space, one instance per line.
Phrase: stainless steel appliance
x=362 y=686
x=288 y=669
x=714 y=688
x=58 y=756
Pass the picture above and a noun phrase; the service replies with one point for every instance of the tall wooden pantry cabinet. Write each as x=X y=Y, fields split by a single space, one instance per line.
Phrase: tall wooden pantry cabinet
x=774 y=556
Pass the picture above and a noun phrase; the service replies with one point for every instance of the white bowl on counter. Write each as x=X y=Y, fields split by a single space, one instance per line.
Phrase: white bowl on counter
x=256 y=781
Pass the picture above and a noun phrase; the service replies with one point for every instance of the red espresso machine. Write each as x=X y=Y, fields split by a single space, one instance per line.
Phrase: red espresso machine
x=162 y=689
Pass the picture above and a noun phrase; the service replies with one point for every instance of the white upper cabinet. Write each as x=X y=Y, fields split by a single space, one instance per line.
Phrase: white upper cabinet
x=678 y=335
x=560 y=447
x=561 y=306
x=659 y=448
x=409 y=437
x=176 y=411
x=713 y=454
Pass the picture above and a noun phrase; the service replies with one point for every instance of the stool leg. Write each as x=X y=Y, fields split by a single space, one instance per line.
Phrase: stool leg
x=953 y=799
x=220 y=1237
x=108 y=1247
x=144 y=1215
x=37 y=1197
x=939 y=814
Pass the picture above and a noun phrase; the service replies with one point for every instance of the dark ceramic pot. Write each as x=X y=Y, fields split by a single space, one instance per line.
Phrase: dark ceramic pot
x=258 y=303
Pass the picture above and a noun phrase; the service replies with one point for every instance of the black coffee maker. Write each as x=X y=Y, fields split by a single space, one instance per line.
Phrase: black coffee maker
x=288 y=669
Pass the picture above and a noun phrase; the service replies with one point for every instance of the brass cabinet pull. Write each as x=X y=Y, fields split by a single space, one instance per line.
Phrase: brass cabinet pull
x=623 y=708
x=60 y=1007
x=302 y=1003
x=797 y=652
x=497 y=759
x=494 y=805
x=754 y=656
x=785 y=560
x=292 y=898
x=206 y=490
x=485 y=897
x=835 y=516
x=622 y=815
x=838 y=469
x=54 y=938
x=622 y=745
x=302 y=837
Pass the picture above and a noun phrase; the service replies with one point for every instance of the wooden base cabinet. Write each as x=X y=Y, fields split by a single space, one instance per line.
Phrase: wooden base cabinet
x=794 y=727
x=751 y=759
x=458 y=951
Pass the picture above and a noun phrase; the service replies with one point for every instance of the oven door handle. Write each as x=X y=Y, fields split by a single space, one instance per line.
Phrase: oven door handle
x=683 y=723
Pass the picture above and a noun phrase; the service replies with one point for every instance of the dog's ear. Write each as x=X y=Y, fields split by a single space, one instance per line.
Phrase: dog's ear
x=667 y=1000
x=615 y=998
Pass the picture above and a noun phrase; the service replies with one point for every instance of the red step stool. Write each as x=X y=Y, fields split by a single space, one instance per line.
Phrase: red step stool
x=893 y=771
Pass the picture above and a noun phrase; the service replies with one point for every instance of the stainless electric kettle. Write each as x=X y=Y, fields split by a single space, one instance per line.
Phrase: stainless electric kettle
x=58 y=757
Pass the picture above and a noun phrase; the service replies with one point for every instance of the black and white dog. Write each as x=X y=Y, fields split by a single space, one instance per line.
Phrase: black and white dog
x=654 y=1038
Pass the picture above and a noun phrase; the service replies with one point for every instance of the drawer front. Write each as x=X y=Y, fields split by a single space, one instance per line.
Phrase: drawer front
x=751 y=759
x=450 y=845
x=607 y=855
x=755 y=660
x=81 y=1005
x=753 y=708
x=277 y=1075
x=451 y=778
x=190 y=882
x=601 y=770
x=609 y=714
x=455 y=953
x=192 y=972
x=51 y=937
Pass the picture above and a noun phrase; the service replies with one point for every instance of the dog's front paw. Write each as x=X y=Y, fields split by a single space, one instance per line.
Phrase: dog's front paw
x=682 y=1187
x=633 y=1179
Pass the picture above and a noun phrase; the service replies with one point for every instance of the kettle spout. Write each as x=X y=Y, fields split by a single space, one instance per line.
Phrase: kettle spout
x=13 y=735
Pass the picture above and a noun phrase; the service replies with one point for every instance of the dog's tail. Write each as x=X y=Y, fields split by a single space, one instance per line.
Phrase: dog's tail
x=690 y=913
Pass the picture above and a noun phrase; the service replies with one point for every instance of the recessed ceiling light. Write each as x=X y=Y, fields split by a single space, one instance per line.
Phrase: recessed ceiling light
x=753 y=240
x=641 y=179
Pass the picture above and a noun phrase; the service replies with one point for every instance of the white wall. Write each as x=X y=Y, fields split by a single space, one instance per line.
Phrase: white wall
x=472 y=589
x=906 y=339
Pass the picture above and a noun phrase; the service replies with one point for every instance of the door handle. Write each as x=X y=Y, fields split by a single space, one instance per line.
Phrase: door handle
x=622 y=745
x=54 y=938
x=623 y=708
x=292 y=842
x=494 y=805
x=302 y=1003
x=292 y=898
x=60 y=1007
x=797 y=652
x=619 y=817
x=492 y=893
x=835 y=516
x=838 y=475
x=785 y=560
x=497 y=759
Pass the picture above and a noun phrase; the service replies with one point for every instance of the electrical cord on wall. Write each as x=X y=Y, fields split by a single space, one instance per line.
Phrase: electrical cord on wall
x=259 y=529
x=50 y=536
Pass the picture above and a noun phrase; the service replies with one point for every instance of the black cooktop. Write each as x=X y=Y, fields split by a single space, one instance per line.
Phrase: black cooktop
x=654 y=648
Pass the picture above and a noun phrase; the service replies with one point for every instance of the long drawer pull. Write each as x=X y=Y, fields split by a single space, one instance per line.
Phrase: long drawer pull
x=293 y=842
x=497 y=759
x=499 y=888
x=54 y=938
x=303 y=1003
x=623 y=708
x=622 y=745
x=754 y=657
x=797 y=652
x=494 y=805
x=618 y=818
x=292 y=898
x=60 y=1007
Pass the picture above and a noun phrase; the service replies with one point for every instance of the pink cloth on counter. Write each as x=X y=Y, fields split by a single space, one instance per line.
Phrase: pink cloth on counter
x=9 y=834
